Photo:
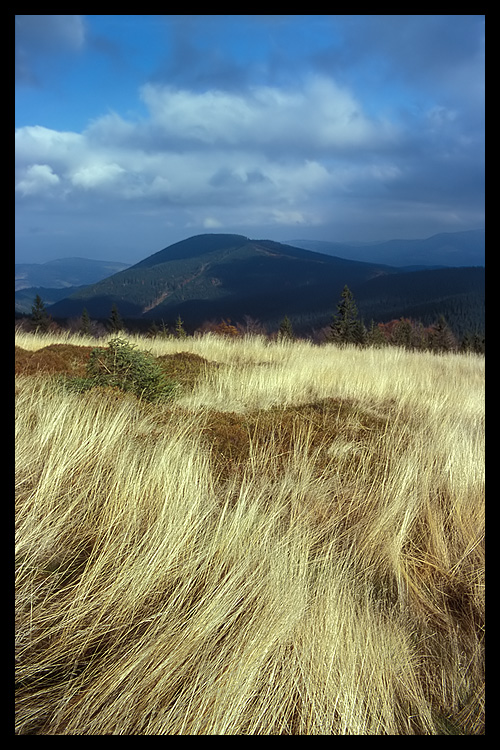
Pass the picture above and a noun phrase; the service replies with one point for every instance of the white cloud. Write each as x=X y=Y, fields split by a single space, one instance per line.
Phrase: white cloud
x=97 y=175
x=317 y=115
x=37 y=179
x=36 y=144
x=265 y=157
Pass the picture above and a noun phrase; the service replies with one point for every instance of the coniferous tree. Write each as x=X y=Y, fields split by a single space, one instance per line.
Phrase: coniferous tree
x=179 y=328
x=375 y=336
x=473 y=342
x=478 y=343
x=40 y=319
x=441 y=338
x=359 y=333
x=402 y=334
x=346 y=328
x=159 y=331
x=285 y=331
x=115 y=323
x=164 y=333
x=85 y=324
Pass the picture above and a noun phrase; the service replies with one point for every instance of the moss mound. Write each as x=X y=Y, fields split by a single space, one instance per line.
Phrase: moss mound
x=231 y=435
x=185 y=368
x=66 y=359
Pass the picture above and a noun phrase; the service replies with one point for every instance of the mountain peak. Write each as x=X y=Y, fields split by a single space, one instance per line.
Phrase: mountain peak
x=200 y=244
x=214 y=276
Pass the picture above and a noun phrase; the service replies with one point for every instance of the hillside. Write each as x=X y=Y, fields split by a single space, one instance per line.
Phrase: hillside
x=456 y=293
x=213 y=276
x=24 y=297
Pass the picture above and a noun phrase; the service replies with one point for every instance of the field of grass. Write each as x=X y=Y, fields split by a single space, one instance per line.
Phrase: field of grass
x=292 y=544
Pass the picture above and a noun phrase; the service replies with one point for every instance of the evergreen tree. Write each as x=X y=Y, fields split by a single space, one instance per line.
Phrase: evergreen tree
x=402 y=333
x=346 y=328
x=164 y=333
x=115 y=323
x=285 y=331
x=39 y=316
x=441 y=338
x=85 y=324
x=359 y=333
x=159 y=331
x=478 y=343
x=473 y=342
x=375 y=336
x=179 y=328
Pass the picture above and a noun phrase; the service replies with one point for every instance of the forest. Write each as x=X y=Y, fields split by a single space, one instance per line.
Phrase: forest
x=432 y=331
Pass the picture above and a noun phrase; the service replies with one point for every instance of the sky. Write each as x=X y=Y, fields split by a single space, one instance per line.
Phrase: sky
x=136 y=131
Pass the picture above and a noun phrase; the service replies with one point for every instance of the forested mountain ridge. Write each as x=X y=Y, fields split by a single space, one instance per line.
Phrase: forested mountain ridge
x=456 y=293
x=215 y=276
x=221 y=275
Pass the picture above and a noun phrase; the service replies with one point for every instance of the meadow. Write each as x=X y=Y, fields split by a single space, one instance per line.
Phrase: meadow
x=293 y=543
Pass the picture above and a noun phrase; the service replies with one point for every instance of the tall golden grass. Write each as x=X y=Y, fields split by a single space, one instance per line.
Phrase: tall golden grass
x=293 y=546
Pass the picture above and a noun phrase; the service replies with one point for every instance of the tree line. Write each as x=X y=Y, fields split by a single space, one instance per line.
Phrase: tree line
x=346 y=327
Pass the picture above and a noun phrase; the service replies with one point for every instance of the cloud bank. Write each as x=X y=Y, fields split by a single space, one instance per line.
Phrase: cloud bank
x=314 y=156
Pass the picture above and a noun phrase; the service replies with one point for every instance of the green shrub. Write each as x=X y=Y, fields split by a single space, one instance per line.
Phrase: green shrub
x=122 y=366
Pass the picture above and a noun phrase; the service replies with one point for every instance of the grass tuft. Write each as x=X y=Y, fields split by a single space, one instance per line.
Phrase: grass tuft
x=293 y=545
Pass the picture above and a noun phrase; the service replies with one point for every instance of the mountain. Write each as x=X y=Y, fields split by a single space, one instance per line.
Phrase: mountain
x=456 y=293
x=214 y=276
x=25 y=297
x=220 y=275
x=64 y=273
x=449 y=249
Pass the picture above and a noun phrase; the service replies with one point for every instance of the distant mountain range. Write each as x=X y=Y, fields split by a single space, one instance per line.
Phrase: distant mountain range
x=24 y=298
x=66 y=272
x=450 y=249
x=57 y=279
x=214 y=276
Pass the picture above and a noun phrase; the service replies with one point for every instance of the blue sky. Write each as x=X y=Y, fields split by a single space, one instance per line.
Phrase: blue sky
x=134 y=132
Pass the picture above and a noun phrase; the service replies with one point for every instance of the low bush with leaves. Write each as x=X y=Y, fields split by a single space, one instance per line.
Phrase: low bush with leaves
x=121 y=365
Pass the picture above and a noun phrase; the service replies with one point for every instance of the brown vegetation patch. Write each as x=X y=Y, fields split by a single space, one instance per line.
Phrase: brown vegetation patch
x=278 y=430
x=56 y=358
x=228 y=436
x=185 y=368
x=287 y=592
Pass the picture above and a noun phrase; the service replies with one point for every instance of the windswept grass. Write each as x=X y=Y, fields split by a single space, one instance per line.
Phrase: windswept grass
x=294 y=545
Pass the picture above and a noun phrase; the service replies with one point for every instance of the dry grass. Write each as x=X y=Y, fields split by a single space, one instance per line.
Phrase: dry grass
x=294 y=546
